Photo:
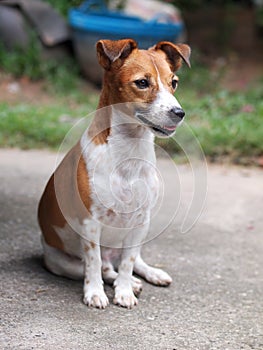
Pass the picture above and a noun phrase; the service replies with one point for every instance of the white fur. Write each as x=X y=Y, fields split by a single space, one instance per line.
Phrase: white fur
x=158 y=111
x=165 y=100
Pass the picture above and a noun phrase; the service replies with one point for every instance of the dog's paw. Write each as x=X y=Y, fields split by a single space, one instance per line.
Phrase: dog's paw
x=124 y=295
x=158 y=277
x=136 y=285
x=125 y=298
x=96 y=298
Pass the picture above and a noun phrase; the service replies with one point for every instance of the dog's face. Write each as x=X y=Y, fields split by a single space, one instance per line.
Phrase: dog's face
x=147 y=79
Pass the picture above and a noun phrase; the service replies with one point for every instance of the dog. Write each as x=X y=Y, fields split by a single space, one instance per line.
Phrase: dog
x=95 y=211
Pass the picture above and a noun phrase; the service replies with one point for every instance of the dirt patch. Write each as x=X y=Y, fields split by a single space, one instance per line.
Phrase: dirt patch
x=23 y=90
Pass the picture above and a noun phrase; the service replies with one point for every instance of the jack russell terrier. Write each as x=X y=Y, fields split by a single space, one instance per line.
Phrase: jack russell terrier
x=95 y=211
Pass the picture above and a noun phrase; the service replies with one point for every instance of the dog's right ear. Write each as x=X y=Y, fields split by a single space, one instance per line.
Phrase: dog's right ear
x=175 y=53
x=111 y=51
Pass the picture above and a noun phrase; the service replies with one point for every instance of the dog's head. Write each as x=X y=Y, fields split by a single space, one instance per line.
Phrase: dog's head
x=146 y=78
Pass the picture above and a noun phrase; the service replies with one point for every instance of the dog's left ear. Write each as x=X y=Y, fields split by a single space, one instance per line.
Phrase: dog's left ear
x=175 y=53
x=109 y=51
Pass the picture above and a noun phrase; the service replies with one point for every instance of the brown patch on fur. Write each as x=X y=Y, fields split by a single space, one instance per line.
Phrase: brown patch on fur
x=83 y=183
x=49 y=214
x=67 y=191
x=86 y=248
x=87 y=281
x=132 y=259
x=106 y=269
x=99 y=129
x=93 y=245
x=110 y=212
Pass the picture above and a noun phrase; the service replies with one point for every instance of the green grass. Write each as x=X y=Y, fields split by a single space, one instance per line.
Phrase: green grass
x=29 y=126
x=42 y=126
x=227 y=123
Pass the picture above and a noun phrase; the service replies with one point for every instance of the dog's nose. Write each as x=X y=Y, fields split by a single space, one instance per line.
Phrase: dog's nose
x=177 y=113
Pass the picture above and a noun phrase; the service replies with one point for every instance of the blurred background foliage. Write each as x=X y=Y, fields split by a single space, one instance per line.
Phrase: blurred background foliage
x=222 y=94
x=63 y=6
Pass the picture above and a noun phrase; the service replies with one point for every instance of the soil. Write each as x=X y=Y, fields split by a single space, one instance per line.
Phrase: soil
x=23 y=90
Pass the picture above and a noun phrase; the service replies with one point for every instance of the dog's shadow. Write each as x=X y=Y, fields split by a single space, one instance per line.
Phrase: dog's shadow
x=49 y=285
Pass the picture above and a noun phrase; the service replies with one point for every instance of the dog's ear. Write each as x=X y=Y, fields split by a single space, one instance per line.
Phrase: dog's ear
x=175 y=53
x=109 y=51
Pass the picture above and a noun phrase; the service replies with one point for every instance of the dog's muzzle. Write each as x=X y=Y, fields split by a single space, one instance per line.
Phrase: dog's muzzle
x=164 y=128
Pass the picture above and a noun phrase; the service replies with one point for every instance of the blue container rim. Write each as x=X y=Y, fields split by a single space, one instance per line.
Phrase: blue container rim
x=114 y=22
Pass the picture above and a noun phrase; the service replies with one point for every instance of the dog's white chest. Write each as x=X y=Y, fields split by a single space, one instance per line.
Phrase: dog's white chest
x=123 y=196
x=123 y=179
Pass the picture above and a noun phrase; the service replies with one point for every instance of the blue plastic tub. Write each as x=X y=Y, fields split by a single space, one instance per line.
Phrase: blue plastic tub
x=92 y=21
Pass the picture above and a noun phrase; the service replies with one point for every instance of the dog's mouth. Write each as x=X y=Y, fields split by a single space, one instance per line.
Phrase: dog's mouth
x=159 y=130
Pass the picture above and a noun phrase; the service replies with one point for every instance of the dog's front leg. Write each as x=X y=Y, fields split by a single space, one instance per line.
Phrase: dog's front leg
x=94 y=294
x=124 y=295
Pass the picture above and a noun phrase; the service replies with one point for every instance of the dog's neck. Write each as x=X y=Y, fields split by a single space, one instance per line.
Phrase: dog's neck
x=100 y=126
x=114 y=125
x=128 y=139
x=129 y=145
x=105 y=99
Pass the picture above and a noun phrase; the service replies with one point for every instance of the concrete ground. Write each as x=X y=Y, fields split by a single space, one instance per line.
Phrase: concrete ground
x=214 y=302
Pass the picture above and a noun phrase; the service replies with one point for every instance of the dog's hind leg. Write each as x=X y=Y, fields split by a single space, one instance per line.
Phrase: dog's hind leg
x=151 y=274
x=108 y=273
x=62 y=264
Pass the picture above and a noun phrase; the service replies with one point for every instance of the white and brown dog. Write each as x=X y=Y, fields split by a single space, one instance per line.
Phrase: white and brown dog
x=94 y=213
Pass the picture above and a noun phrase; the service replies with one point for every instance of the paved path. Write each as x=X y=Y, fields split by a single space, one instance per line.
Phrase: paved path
x=215 y=301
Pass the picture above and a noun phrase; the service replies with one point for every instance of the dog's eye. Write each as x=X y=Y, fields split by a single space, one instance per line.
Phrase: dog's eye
x=174 y=83
x=142 y=83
